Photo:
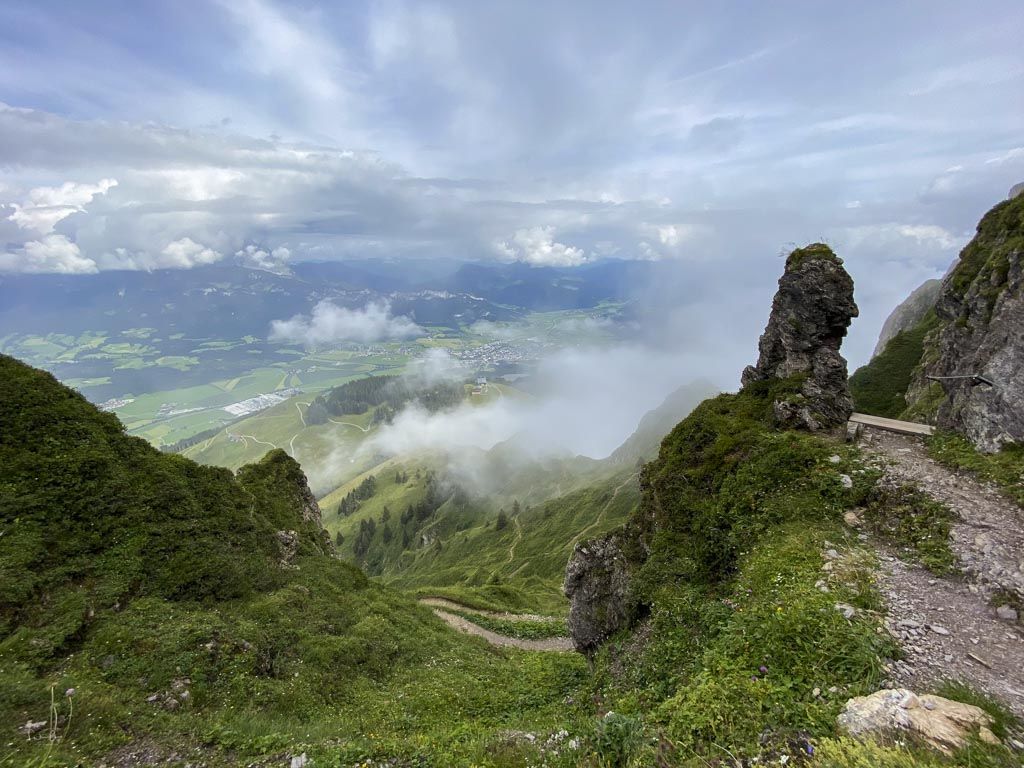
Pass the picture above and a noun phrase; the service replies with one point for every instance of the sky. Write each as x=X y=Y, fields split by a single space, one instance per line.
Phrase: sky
x=168 y=135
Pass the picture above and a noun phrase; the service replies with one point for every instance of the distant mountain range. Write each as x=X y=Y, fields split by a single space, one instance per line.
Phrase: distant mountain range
x=234 y=301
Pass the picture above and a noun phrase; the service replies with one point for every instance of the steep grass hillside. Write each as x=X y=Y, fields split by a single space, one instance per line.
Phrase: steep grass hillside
x=755 y=611
x=880 y=386
x=158 y=611
x=149 y=606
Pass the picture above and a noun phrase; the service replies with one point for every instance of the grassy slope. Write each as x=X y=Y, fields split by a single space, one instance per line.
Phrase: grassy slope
x=1005 y=469
x=128 y=573
x=741 y=653
x=880 y=387
x=522 y=566
x=318 y=659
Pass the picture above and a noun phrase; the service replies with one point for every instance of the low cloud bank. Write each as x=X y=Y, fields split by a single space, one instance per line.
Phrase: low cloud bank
x=329 y=323
x=582 y=402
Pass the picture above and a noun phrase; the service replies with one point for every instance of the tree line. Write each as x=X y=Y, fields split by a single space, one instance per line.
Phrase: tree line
x=388 y=394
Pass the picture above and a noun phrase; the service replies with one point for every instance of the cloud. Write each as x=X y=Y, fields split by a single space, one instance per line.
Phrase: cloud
x=53 y=253
x=330 y=323
x=435 y=366
x=275 y=260
x=927 y=235
x=46 y=206
x=537 y=246
x=186 y=253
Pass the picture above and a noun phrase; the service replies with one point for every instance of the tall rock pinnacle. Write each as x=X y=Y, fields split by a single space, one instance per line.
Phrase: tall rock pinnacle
x=810 y=315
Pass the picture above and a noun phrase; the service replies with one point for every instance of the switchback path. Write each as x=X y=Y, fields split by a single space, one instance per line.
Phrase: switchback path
x=349 y=424
x=515 y=540
x=949 y=627
x=438 y=605
x=600 y=515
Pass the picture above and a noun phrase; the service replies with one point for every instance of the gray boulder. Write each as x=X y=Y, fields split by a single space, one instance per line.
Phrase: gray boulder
x=941 y=723
x=597 y=585
x=810 y=315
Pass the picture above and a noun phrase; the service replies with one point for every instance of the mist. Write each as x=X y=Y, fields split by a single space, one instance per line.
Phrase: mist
x=328 y=323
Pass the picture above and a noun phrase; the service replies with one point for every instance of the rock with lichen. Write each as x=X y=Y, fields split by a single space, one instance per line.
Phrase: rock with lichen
x=597 y=580
x=810 y=315
x=940 y=723
x=981 y=309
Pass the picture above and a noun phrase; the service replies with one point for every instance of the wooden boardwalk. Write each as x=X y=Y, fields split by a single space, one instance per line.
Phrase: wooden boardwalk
x=892 y=425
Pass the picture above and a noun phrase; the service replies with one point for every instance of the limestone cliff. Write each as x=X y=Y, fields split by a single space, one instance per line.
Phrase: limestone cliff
x=981 y=309
x=810 y=315
x=909 y=313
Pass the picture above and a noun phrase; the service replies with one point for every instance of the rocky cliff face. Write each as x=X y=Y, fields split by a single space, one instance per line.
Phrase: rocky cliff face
x=810 y=315
x=909 y=313
x=597 y=585
x=799 y=351
x=981 y=307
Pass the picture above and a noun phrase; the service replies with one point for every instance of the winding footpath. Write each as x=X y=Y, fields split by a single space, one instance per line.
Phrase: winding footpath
x=349 y=424
x=600 y=515
x=438 y=606
x=952 y=628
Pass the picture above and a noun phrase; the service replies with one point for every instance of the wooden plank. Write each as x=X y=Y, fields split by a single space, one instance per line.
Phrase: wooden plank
x=893 y=425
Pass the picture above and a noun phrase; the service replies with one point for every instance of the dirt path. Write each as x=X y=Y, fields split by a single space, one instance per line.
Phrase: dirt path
x=600 y=515
x=349 y=424
x=949 y=633
x=518 y=537
x=257 y=440
x=440 y=602
x=988 y=538
x=438 y=605
x=948 y=627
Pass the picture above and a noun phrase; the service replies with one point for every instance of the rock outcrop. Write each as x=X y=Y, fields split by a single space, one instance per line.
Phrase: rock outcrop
x=909 y=313
x=941 y=723
x=981 y=307
x=810 y=315
x=597 y=585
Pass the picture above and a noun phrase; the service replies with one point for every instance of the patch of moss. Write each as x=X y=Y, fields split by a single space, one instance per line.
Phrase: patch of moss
x=812 y=252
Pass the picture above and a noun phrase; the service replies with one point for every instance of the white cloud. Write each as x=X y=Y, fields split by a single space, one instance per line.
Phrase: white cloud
x=537 y=246
x=275 y=260
x=435 y=366
x=330 y=323
x=1017 y=153
x=53 y=253
x=186 y=253
x=931 y=235
x=46 y=206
